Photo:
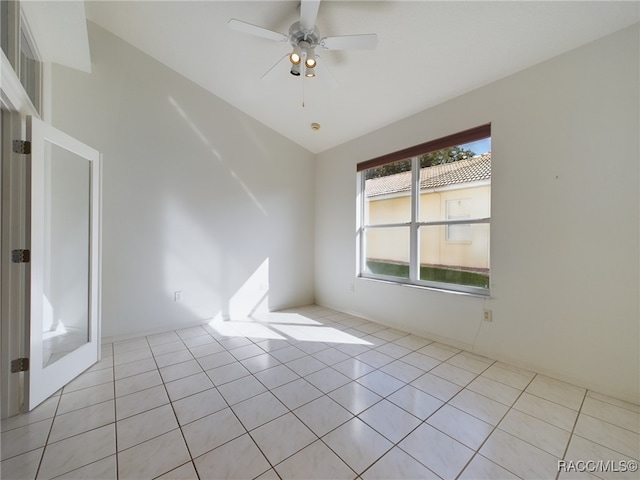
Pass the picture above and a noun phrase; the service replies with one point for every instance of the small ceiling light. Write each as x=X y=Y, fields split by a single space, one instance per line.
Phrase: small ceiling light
x=315 y=126
x=309 y=73
x=295 y=70
x=310 y=61
x=295 y=56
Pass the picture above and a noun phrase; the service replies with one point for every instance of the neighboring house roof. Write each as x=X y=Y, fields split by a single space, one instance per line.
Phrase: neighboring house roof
x=462 y=171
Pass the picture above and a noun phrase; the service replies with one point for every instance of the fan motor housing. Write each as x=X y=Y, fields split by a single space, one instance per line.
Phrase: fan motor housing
x=297 y=35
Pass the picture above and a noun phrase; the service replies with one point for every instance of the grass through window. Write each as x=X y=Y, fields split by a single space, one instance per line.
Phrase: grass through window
x=431 y=274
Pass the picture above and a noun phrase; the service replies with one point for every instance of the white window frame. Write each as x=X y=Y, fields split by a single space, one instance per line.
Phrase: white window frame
x=14 y=96
x=25 y=31
x=414 y=226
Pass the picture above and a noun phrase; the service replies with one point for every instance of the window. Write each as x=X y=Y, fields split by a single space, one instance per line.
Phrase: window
x=425 y=214
x=4 y=27
x=21 y=52
x=30 y=70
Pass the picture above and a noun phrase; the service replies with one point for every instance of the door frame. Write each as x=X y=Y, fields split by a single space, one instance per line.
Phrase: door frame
x=14 y=301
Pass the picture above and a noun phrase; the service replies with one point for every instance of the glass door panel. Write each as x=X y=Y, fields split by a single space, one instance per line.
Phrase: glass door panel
x=64 y=275
x=66 y=246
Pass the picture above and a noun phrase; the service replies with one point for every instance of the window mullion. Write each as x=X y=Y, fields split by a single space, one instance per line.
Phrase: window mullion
x=414 y=267
x=361 y=203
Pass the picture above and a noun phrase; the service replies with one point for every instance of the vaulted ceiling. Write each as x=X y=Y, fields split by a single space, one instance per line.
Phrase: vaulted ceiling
x=428 y=52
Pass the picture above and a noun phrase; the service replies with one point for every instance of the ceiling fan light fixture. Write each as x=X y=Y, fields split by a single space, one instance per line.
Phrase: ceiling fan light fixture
x=310 y=61
x=304 y=37
x=295 y=58
x=309 y=55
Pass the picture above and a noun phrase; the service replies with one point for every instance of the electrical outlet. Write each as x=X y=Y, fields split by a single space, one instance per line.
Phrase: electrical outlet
x=487 y=315
x=177 y=296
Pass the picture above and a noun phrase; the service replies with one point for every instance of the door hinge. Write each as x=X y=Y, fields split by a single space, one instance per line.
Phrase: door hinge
x=19 y=365
x=23 y=147
x=21 y=256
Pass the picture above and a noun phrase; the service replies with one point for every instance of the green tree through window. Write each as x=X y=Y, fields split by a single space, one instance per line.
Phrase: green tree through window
x=439 y=157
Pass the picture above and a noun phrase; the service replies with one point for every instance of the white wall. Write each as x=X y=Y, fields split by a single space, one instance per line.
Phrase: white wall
x=565 y=221
x=196 y=195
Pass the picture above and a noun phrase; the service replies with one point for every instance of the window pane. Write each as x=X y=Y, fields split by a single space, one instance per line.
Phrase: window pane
x=29 y=70
x=459 y=209
x=387 y=251
x=4 y=28
x=387 y=194
x=456 y=174
x=457 y=262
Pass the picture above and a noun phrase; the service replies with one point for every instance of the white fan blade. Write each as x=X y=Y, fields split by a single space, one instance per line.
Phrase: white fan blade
x=324 y=74
x=271 y=73
x=309 y=14
x=245 y=27
x=368 y=41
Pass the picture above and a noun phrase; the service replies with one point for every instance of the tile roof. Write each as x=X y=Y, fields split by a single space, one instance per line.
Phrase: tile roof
x=463 y=171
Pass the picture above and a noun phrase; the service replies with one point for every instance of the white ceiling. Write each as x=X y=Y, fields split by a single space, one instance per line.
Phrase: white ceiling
x=428 y=52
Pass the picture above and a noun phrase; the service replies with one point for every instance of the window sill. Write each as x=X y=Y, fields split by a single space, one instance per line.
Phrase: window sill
x=468 y=291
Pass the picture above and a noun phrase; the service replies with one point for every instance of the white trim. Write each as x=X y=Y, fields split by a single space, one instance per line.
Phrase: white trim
x=414 y=231
x=15 y=277
x=25 y=28
x=14 y=97
x=359 y=222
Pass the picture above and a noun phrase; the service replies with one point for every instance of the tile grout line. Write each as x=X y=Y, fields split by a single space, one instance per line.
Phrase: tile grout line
x=46 y=442
x=573 y=429
x=375 y=369
x=299 y=406
x=229 y=406
x=444 y=403
x=164 y=385
x=289 y=410
x=422 y=422
x=285 y=406
x=115 y=410
x=495 y=427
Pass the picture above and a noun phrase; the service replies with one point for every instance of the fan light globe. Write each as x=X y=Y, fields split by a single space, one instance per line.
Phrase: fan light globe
x=294 y=58
x=310 y=62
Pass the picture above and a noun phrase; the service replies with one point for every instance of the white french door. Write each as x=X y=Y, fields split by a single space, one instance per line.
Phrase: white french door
x=64 y=331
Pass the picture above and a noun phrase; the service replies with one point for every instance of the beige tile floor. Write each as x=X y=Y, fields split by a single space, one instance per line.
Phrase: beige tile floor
x=314 y=393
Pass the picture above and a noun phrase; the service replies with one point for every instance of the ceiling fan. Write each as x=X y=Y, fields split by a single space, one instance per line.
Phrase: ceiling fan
x=304 y=38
